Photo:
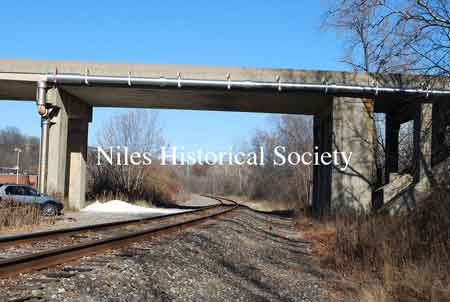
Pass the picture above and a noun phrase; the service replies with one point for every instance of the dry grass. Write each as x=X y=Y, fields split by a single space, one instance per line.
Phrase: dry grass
x=393 y=258
x=108 y=196
x=15 y=216
x=321 y=234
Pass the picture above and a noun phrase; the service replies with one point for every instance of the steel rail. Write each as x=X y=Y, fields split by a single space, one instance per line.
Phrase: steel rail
x=12 y=240
x=39 y=260
x=178 y=82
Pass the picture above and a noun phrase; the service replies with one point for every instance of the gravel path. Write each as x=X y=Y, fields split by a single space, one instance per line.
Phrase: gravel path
x=243 y=256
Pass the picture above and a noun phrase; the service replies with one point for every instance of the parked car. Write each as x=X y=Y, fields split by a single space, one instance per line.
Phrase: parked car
x=27 y=194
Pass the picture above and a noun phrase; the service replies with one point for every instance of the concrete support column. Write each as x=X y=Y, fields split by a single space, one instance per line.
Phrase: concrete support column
x=392 y=128
x=67 y=147
x=316 y=201
x=322 y=174
x=77 y=158
x=354 y=131
x=57 y=143
x=441 y=120
x=423 y=136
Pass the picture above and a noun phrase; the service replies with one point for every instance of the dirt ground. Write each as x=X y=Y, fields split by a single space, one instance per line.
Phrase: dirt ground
x=244 y=256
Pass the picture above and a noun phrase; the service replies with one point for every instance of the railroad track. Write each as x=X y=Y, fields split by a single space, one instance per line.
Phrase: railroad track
x=141 y=229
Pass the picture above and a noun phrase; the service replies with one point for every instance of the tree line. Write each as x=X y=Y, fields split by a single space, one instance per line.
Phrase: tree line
x=12 y=138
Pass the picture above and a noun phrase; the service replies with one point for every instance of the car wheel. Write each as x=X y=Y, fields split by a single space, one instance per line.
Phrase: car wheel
x=48 y=210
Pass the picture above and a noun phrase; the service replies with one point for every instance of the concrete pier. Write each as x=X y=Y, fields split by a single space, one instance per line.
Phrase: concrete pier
x=77 y=160
x=423 y=135
x=348 y=126
x=67 y=150
x=321 y=173
x=57 y=148
x=353 y=131
x=392 y=131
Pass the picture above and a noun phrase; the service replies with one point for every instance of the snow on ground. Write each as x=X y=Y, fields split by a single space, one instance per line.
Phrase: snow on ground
x=122 y=207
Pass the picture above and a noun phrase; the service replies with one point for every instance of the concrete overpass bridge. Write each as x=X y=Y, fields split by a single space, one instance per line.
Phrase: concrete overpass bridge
x=342 y=104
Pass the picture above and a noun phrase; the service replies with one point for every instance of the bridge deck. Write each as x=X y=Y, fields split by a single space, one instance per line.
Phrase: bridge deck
x=18 y=77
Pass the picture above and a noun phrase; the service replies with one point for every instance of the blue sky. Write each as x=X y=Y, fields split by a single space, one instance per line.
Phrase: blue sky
x=234 y=33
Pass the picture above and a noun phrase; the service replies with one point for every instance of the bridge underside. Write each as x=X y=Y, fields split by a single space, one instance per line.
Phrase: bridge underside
x=308 y=103
x=342 y=121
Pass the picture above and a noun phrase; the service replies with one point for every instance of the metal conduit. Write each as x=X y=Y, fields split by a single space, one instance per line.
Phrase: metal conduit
x=79 y=79
x=41 y=100
x=43 y=156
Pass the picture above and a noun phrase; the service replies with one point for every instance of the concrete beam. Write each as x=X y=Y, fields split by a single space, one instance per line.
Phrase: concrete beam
x=18 y=79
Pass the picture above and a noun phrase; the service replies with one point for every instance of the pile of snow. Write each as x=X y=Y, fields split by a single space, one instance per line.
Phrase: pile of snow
x=122 y=207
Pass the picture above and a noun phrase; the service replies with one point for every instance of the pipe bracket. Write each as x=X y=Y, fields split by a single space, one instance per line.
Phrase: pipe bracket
x=278 y=80
x=86 y=74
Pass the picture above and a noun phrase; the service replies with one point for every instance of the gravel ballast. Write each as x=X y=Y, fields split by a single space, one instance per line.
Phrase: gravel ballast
x=243 y=256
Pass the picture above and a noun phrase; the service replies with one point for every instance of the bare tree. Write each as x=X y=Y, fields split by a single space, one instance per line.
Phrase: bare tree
x=297 y=135
x=427 y=33
x=137 y=130
x=11 y=138
x=287 y=182
x=393 y=36
x=371 y=39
